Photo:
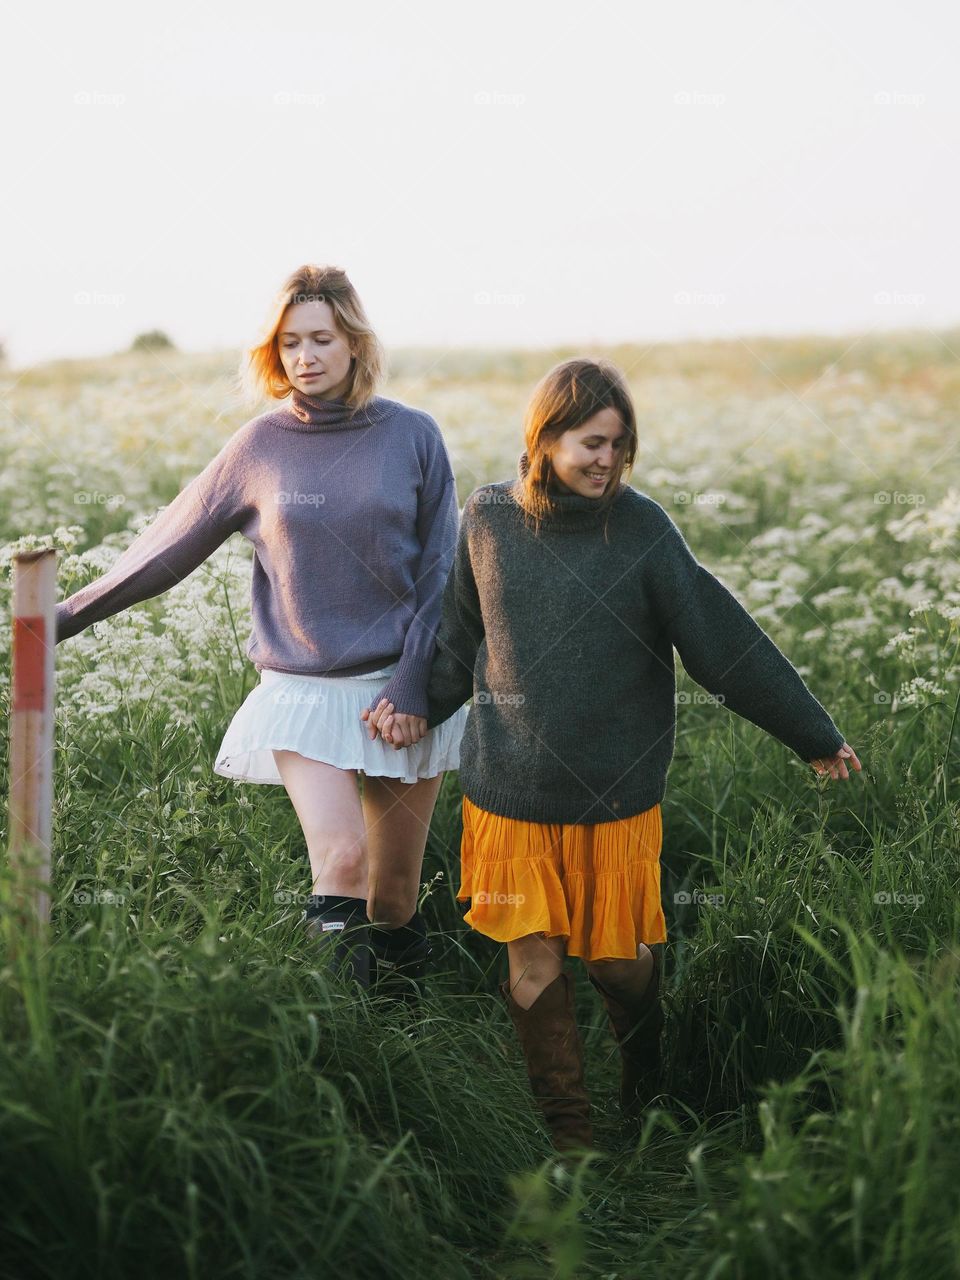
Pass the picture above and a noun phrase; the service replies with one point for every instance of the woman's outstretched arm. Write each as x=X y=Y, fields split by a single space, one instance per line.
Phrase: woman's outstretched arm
x=184 y=534
x=730 y=655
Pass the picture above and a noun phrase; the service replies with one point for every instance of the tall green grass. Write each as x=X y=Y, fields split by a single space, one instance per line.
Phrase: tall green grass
x=185 y=1089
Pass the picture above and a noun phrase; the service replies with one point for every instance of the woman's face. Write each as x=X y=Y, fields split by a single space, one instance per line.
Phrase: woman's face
x=589 y=458
x=314 y=352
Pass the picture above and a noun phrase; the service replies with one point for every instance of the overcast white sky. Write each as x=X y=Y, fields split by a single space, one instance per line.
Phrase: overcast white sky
x=509 y=173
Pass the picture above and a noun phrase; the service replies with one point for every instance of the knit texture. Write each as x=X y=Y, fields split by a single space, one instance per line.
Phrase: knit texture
x=353 y=518
x=565 y=642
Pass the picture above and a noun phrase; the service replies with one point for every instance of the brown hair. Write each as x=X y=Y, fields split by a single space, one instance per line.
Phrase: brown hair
x=566 y=397
x=261 y=370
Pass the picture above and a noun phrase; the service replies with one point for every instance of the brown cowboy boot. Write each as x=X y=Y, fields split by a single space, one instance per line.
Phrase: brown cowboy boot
x=551 y=1045
x=636 y=1020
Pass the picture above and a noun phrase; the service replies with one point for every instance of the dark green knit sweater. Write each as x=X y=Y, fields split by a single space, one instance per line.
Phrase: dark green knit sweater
x=565 y=641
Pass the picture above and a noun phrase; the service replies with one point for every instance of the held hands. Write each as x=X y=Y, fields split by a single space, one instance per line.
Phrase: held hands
x=398 y=729
x=831 y=764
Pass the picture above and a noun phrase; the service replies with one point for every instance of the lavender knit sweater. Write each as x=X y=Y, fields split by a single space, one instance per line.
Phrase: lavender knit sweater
x=353 y=518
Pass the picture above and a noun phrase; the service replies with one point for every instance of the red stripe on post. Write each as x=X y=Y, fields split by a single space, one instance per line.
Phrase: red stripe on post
x=29 y=653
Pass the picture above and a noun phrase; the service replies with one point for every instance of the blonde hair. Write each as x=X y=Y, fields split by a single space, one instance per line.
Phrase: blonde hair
x=569 y=394
x=261 y=369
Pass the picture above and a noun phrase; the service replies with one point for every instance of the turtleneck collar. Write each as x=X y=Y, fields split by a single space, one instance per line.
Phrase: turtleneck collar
x=311 y=413
x=570 y=510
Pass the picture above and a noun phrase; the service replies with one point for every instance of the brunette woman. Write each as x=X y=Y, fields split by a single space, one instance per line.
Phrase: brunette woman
x=569 y=592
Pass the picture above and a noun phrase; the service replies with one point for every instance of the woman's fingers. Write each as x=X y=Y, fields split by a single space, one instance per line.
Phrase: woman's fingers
x=403 y=732
x=406 y=730
x=839 y=761
x=375 y=718
x=398 y=729
x=396 y=734
x=849 y=753
x=836 y=765
x=380 y=712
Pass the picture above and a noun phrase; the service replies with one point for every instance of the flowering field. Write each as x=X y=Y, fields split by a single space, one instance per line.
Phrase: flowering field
x=161 y=1107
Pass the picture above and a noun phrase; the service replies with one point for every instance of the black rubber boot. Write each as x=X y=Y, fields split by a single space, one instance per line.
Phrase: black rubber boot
x=341 y=924
x=399 y=960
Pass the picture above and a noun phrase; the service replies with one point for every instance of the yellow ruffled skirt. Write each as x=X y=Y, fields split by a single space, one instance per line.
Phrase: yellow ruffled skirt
x=596 y=885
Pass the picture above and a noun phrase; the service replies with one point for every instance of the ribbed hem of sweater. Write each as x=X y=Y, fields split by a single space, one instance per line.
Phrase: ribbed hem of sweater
x=337 y=673
x=811 y=745
x=553 y=807
x=407 y=687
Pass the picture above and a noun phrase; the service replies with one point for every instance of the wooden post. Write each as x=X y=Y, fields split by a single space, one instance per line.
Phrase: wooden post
x=31 y=734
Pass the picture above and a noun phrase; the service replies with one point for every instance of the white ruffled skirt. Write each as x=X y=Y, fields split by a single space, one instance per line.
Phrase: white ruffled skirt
x=319 y=717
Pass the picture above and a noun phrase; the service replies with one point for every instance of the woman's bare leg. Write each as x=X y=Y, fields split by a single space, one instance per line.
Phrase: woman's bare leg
x=633 y=973
x=535 y=961
x=397 y=819
x=327 y=802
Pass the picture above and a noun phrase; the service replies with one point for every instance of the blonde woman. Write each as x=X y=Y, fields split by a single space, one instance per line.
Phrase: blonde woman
x=350 y=503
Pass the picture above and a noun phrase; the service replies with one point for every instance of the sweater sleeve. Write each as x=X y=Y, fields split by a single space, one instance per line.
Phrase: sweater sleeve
x=437 y=535
x=185 y=533
x=459 y=636
x=727 y=653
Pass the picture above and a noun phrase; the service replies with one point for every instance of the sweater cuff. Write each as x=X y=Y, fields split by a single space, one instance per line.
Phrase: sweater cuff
x=65 y=625
x=818 y=746
x=406 y=688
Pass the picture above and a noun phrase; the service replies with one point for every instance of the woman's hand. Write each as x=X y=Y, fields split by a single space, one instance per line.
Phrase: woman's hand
x=398 y=729
x=833 y=764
